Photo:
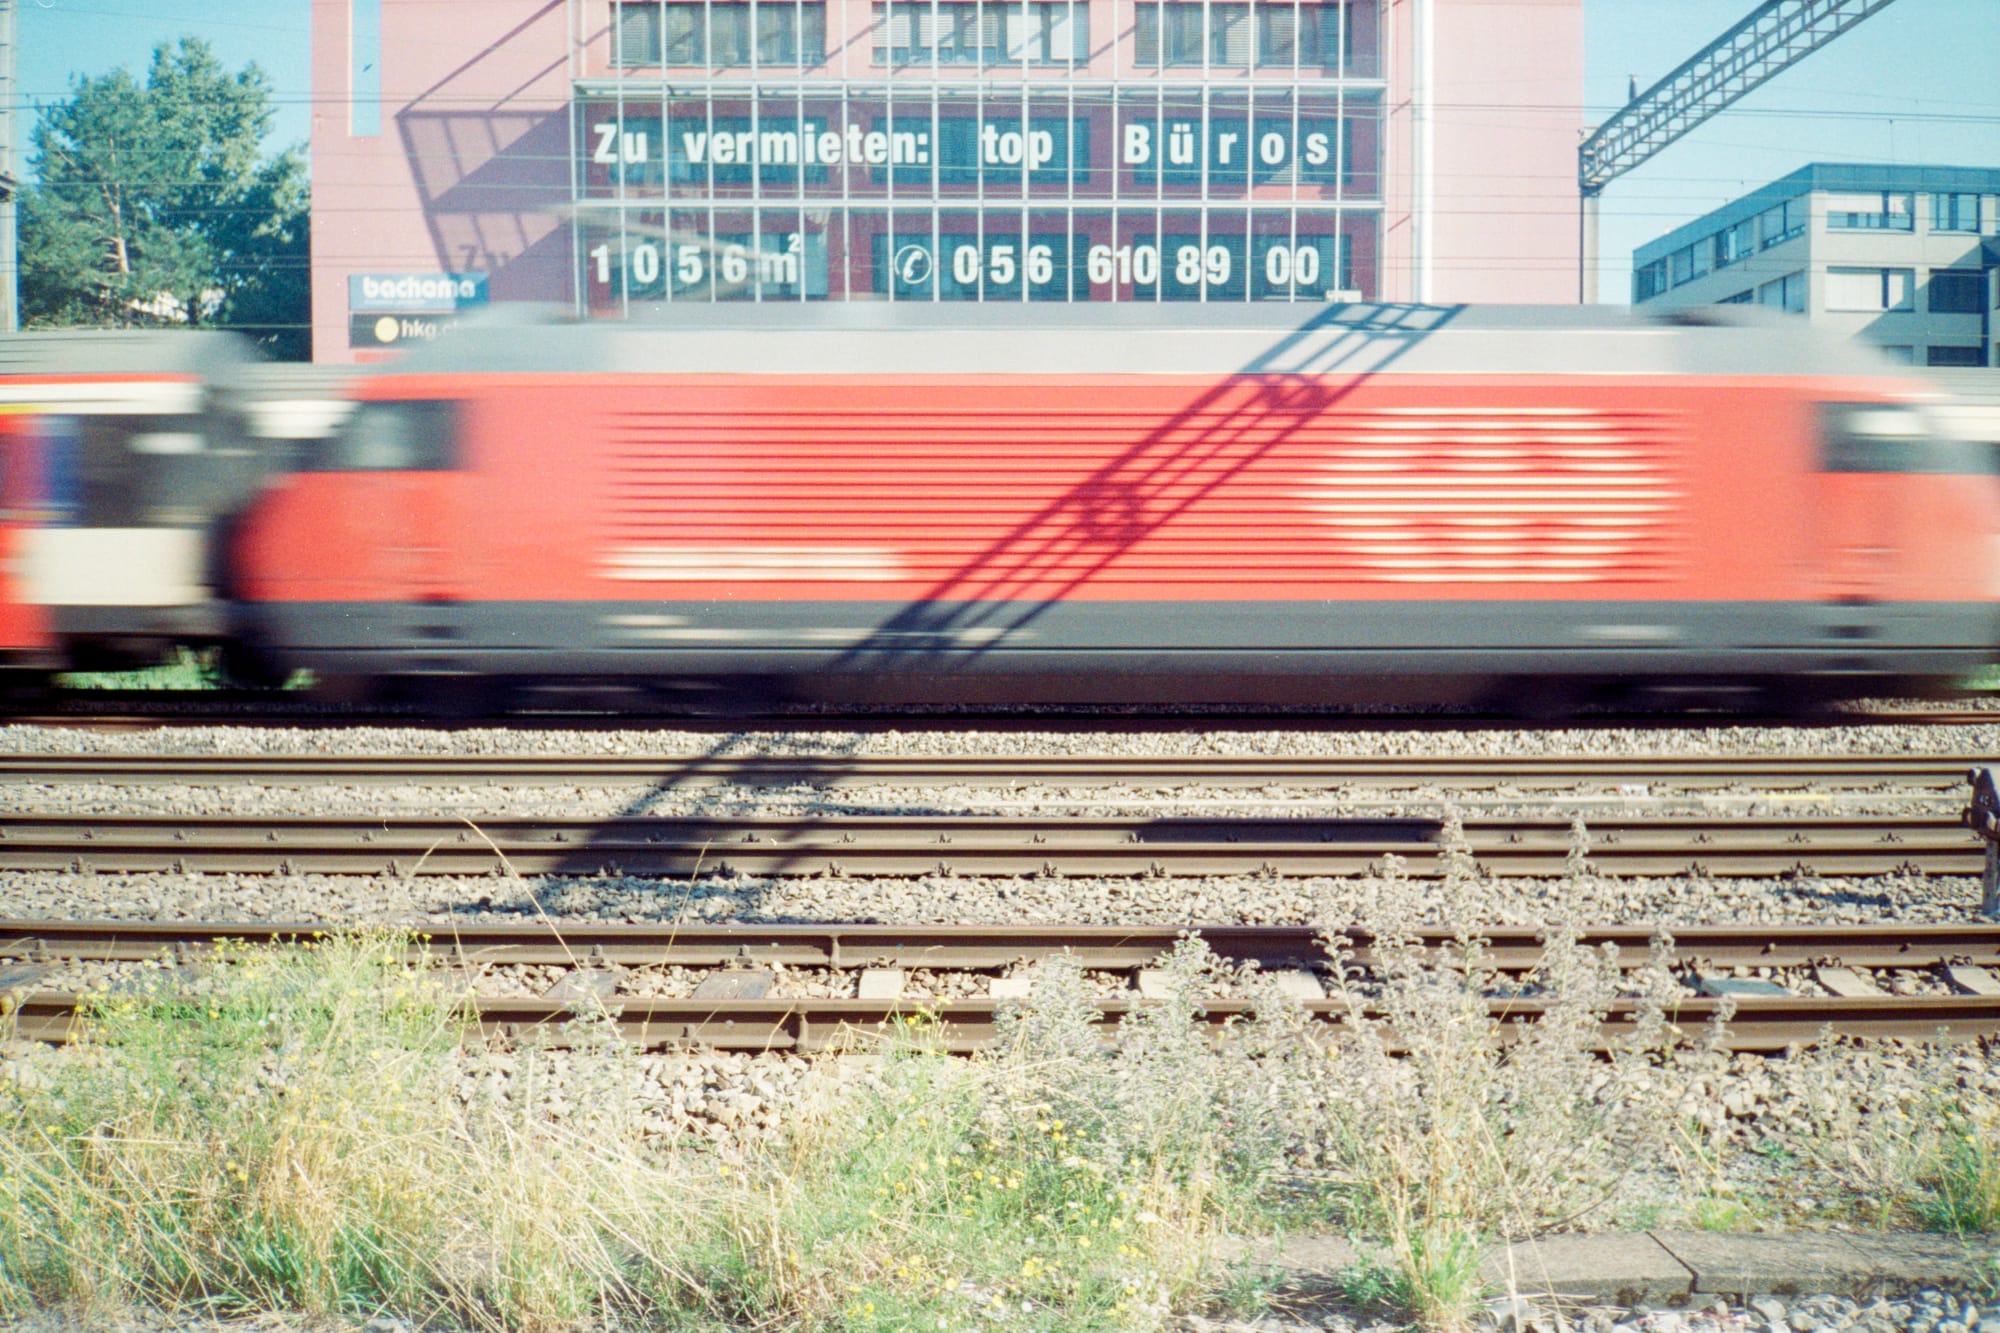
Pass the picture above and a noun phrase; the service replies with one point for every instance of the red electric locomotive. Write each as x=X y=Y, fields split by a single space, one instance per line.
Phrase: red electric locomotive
x=1365 y=503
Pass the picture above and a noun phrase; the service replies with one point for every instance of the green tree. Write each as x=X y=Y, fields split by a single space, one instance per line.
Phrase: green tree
x=155 y=205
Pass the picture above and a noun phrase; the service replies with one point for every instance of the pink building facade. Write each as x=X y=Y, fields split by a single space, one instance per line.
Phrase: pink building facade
x=613 y=155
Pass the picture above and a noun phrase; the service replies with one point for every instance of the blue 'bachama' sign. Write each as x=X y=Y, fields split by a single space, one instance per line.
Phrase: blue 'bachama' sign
x=422 y=292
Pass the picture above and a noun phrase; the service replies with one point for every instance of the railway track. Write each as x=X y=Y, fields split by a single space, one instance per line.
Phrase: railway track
x=913 y=845
x=479 y=943
x=734 y=1010
x=1462 y=773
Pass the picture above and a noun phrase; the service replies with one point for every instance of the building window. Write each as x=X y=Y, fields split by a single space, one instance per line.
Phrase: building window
x=791 y=34
x=1870 y=290
x=1735 y=243
x=1781 y=223
x=1955 y=356
x=1173 y=34
x=954 y=33
x=637 y=34
x=1954 y=212
x=1692 y=261
x=1786 y=293
x=1875 y=210
x=722 y=34
x=1746 y=297
x=1047 y=32
x=1956 y=291
x=1310 y=35
x=1649 y=280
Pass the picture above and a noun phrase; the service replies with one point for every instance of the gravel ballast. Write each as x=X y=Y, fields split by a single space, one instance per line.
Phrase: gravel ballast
x=729 y=1102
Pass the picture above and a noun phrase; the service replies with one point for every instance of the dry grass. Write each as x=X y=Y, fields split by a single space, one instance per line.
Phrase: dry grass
x=283 y=1134
x=1486 y=1130
x=290 y=1130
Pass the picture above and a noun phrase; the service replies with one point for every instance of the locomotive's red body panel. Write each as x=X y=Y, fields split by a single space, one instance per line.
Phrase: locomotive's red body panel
x=1381 y=496
x=802 y=489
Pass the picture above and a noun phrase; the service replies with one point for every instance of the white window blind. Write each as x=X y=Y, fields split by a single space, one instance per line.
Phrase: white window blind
x=1023 y=29
x=1231 y=30
x=1899 y=289
x=1869 y=289
x=686 y=42
x=1041 y=31
x=639 y=33
x=1786 y=293
x=894 y=24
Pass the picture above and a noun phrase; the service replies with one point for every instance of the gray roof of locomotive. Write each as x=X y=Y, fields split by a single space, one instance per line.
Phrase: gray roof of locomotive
x=1272 y=340
x=123 y=352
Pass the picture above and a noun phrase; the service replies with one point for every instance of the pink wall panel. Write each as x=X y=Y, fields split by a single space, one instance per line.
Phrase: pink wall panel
x=1509 y=103
x=470 y=171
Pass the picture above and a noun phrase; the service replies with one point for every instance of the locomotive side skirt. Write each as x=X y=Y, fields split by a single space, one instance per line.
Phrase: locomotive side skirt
x=1275 y=640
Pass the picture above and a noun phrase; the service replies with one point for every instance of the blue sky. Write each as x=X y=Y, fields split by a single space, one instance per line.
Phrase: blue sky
x=1915 y=83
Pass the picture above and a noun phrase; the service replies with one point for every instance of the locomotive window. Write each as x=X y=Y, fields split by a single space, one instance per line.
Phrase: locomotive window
x=408 y=436
x=1892 y=437
x=130 y=471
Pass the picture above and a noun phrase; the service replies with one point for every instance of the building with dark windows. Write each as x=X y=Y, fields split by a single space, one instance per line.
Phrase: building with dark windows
x=1905 y=257
x=615 y=155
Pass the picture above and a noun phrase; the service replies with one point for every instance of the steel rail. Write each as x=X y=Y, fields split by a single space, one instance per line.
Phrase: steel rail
x=1942 y=771
x=112 y=710
x=899 y=845
x=809 y=1025
x=478 y=943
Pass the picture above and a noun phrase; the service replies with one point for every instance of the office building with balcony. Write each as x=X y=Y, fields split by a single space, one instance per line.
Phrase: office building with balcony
x=1903 y=257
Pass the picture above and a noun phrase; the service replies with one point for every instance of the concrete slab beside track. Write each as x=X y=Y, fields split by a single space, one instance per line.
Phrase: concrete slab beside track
x=1663 y=1268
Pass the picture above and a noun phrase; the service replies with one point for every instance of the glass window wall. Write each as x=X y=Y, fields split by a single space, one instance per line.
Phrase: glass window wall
x=935 y=182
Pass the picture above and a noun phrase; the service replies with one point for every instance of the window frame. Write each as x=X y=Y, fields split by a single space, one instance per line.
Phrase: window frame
x=1947 y=201
x=436 y=438
x=653 y=50
x=1971 y=281
x=1791 y=215
x=1974 y=359
x=1883 y=275
x=1785 y=286
x=1194 y=38
x=1885 y=217
x=742 y=24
